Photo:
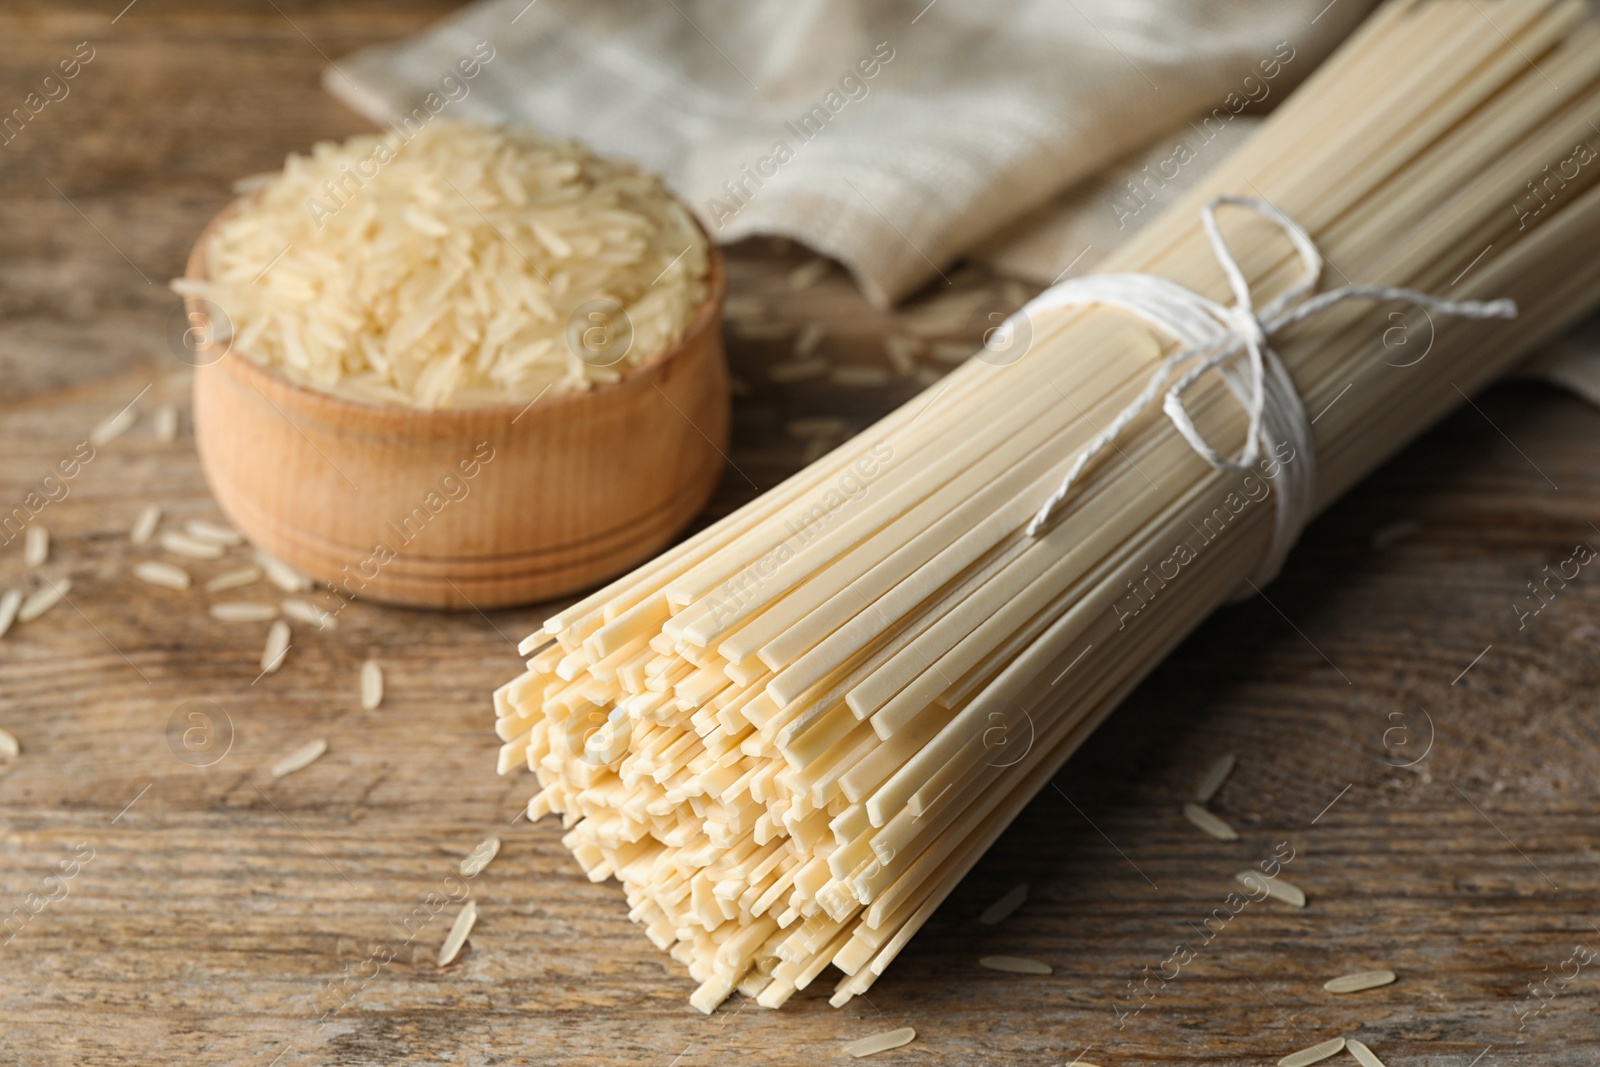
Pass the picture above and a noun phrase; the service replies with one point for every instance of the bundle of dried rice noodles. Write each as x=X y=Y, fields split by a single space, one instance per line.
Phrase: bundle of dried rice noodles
x=790 y=736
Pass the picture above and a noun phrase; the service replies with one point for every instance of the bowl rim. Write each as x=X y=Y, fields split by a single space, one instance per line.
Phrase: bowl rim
x=706 y=318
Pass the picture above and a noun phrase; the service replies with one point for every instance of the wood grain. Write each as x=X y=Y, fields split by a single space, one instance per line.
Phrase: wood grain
x=225 y=917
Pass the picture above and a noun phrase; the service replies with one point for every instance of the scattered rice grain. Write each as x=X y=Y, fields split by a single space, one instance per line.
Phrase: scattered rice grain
x=300 y=758
x=809 y=339
x=1363 y=1055
x=1276 y=888
x=1384 y=536
x=276 y=648
x=145 y=524
x=241 y=611
x=1014 y=965
x=1001 y=909
x=35 y=546
x=282 y=575
x=1315 y=1054
x=479 y=857
x=9 y=603
x=184 y=545
x=1355 y=983
x=818 y=426
x=815 y=449
x=155 y=572
x=798 y=370
x=165 y=421
x=808 y=274
x=372 y=686
x=1214 y=778
x=763 y=331
x=307 y=612
x=1014 y=292
x=744 y=309
x=882 y=1042
x=213 y=533
x=946 y=315
x=9 y=748
x=453 y=942
x=902 y=352
x=234 y=579
x=860 y=376
x=952 y=351
x=114 y=426
x=42 y=600
x=1210 y=823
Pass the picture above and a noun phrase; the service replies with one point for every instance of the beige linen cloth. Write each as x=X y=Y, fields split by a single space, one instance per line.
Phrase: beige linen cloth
x=891 y=136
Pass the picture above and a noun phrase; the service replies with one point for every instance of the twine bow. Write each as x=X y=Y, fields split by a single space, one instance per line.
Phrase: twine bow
x=1235 y=341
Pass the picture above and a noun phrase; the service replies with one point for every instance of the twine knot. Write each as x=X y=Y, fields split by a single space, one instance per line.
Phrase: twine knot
x=1234 y=341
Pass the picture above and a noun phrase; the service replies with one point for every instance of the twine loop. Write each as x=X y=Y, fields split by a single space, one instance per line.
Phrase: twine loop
x=1234 y=341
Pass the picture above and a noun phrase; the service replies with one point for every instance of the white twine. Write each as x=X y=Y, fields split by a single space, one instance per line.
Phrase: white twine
x=1233 y=341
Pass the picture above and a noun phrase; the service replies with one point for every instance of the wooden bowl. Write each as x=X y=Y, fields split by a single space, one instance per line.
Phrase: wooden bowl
x=470 y=507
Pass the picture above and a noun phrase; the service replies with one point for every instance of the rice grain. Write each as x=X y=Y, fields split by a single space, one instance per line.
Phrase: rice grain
x=165 y=423
x=479 y=857
x=1210 y=823
x=902 y=353
x=145 y=524
x=808 y=274
x=952 y=351
x=155 y=572
x=798 y=370
x=307 y=612
x=744 y=309
x=466 y=919
x=1363 y=1055
x=9 y=603
x=881 y=1042
x=1355 y=983
x=1384 y=536
x=1001 y=909
x=763 y=331
x=1315 y=1054
x=241 y=611
x=821 y=426
x=1276 y=888
x=184 y=545
x=277 y=647
x=234 y=579
x=809 y=339
x=213 y=533
x=1014 y=965
x=42 y=600
x=9 y=748
x=300 y=758
x=372 y=686
x=860 y=376
x=1215 y=776
x=35 y=546
x=282 y=575
x=114 y=426
x=946 y=315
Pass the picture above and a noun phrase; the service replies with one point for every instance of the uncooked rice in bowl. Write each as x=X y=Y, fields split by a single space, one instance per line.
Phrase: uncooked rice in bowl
x=465 y=266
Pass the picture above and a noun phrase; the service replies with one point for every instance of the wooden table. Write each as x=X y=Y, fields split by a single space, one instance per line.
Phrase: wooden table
x=216 y=915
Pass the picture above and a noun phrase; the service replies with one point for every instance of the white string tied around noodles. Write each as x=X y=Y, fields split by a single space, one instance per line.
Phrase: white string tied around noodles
x=1235 y=342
